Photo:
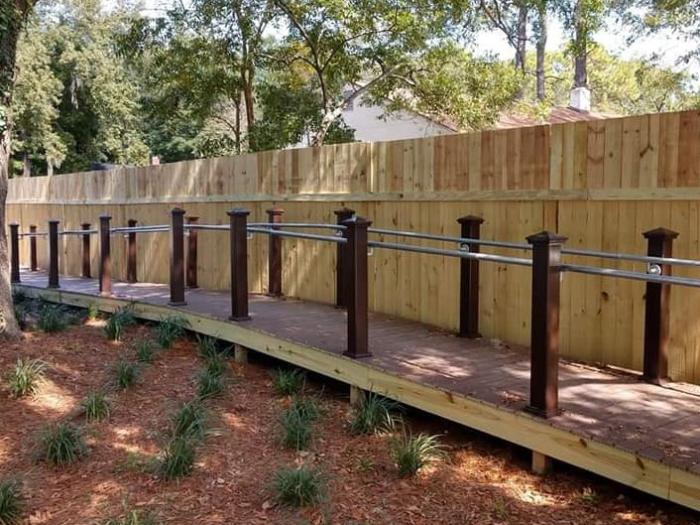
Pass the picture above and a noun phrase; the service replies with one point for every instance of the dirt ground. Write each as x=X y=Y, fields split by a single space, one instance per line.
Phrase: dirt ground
x=481 y=481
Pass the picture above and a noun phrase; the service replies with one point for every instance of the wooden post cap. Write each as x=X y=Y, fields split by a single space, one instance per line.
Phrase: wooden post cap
x=662 y=233
x=546 y=237
x=470 y=219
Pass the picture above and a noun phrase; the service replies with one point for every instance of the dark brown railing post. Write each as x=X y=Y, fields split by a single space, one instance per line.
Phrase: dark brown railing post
x=544 y=335
x=53 y=254
x=33 y=266
x=657 y=315
x=469 y=280
x=239 y=264
x=14 y=252
x=356 y=287
x=177 y=257
x=192 y=254
x=274 y=252
x=341 y=262
x=105 y=270
x=131 y=252
x=86 y=251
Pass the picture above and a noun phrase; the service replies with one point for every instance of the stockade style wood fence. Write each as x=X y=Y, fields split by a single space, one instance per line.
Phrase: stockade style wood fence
x=600 y=183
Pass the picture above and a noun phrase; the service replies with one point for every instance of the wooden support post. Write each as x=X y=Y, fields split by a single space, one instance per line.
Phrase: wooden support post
x=131 y=253
x=657 y=315
x=544 y=338
x=14 y=252
x=274 y=264
x=86 y=251
x=239 y=264
x=53 y=254
x=341 y=259
x=541 y=463
x=356 y=287
x=192 y=254
x=105 y=269
x=240 y=354
x=33 y=265
x=357 y=396
x=177 y=257
x=469 y=280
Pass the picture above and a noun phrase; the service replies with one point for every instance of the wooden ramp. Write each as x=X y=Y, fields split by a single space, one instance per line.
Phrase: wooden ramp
x=641 y=435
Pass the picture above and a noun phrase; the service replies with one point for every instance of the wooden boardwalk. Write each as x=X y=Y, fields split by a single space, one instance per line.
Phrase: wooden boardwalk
x=642 y=435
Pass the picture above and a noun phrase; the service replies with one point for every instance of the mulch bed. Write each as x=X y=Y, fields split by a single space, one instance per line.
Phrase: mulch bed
x=481 y=481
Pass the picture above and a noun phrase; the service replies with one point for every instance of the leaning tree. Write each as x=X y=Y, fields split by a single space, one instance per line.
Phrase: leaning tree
x=13 y=14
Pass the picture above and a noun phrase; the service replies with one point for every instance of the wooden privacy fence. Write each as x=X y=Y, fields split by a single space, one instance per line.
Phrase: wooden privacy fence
x=352 y=237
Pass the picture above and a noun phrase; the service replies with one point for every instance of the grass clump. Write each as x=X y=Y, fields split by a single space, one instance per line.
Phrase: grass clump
x=133 y=517
x=24 y=378
x=96 y=406
x=297 y=423
x=207 y=347
x=411 y=453
x=145 y=352
x=125 y=373
x=61 y=444
x=170 y=329
x=216 y=365
x=93 y=312
x=374 y=414
x=189 y=421
x=298 y=487
x=118 y=322
x=21 y=315
x=52 y=319
x=209 y=384
x=178 y=458
x=288 y=382
x=11 y=502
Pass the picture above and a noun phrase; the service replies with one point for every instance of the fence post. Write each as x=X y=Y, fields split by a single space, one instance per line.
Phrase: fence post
x=14 y=252
x=53 y=254
x=86 y=251
x=469 y=280
x=192 y=254
x=356 y=287
x=341 y=262
x=239 y=264
x=105 y=270
x=544 y=335
x=131 y=253
x=274 y=262
x=657 y=314
x=32 y=249
x=177 y=257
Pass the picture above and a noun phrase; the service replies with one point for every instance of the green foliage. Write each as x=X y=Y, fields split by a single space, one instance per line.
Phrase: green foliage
x=216 y=365
x=133 y=517
x=306 y=407
x=189 y=421
x=296 y=429
x=170 y=329
x=52 y=319
x=207 y=347
x=118 y=322
x=288 y=381
x=23 y=380
x=21 y=314
x=300 y=487
x=61 y=444
x=93 y=311
x=374 y=414
x=11 y=502
x=96 y=406
x=178 y=458
x=411 y=453
x=209 y=384
x=145 y=351
x=125 y=373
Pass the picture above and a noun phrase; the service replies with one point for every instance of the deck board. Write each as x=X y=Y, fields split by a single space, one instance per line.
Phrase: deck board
x=660 y=423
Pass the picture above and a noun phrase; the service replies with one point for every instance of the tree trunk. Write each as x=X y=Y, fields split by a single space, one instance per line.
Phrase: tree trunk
x=580 y=47
x=8 y=324
x=541 y=48
x=26 y=165
x=521 y=39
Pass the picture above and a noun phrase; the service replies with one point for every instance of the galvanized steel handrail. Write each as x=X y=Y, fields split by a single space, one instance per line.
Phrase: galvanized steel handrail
x=636 y=276
x=217 y=227
x=460 y=240
x=298 y=235
x=297 y=225
x=33 y=234
x=78 y=232
x=631 y=257
x=463 y=254
x=141 y=229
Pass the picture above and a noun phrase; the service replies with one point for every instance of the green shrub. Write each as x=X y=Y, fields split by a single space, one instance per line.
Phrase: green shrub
x=96 y=406
x=24 y=378
x=21 y=314
x=19 y=296
x=170 y=329
x=411 y=453
x=296 y=423
x=209 y=385
x=189 y=421
x=118 y=322
x=288 y=382
x=216 y=365
x=93 y=311
x=145 y=352
x=306 y=407
x=374 y=414
x=11 y=502
x=133 y=517
x=207 y=347
x=125 y=373
x=298 y=487
x=52 y=319
x=178 y=458
x=61 y=444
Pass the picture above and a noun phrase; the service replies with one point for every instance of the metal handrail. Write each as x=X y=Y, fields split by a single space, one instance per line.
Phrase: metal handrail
x=298 y=235
x=195 y=226
x=463 y=254
x=636 y=276
x=141 y=229
x=78 y=232
x=459 y=240
x=631 y=257
x=297 y=225
x=33 y=234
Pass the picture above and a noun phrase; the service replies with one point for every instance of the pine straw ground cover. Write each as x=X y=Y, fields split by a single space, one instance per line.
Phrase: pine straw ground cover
x=479 y=481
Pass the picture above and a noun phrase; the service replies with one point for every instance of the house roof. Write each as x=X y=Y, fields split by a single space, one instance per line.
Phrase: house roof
x=558 y=115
